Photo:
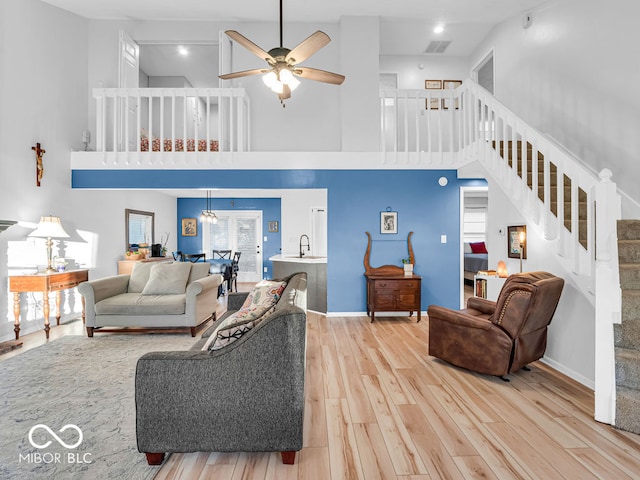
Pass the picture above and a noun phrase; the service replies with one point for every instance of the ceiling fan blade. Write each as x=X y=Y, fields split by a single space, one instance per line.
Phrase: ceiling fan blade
x=319 y=75
x=307 y=47
x=286 y=93
x=249 y=45
x=244 y=73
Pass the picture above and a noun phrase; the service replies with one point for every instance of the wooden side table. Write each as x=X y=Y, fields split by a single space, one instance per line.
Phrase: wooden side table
x=45 y=283
x=126 y=266
x=393 y=293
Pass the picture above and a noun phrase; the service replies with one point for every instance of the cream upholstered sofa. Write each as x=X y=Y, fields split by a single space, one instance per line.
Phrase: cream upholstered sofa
x=154 y=295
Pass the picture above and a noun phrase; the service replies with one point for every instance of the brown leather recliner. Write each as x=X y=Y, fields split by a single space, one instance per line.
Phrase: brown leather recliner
x=501 y=337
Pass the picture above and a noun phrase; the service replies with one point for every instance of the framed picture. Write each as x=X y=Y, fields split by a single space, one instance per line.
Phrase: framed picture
x=450 y=85
x=513 y=240
x=388 y=222
x=273 y=227
x=189 y=227
x=433 y=103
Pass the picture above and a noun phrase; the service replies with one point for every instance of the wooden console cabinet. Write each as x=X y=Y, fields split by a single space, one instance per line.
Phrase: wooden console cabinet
x=126 y=266
x=45 y=283
x=393 y=293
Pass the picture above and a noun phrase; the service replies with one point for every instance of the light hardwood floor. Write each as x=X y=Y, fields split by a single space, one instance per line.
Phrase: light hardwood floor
x=378 y=407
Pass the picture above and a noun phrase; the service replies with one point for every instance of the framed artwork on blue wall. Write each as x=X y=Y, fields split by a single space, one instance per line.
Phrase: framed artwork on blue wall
x=189 y=227
x=388 y=222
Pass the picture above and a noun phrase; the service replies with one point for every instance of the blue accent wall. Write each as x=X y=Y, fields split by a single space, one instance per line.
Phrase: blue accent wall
x=271 y=211
x=355 y=200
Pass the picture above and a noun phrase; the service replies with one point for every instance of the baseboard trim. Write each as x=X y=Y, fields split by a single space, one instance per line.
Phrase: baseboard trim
x=378 y=314
x=569 y=373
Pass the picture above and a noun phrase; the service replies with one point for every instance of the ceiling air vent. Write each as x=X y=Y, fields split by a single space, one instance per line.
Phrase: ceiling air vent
x=438 y=46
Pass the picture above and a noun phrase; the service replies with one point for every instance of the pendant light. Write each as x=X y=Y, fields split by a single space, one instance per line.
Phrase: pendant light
x=208 y=216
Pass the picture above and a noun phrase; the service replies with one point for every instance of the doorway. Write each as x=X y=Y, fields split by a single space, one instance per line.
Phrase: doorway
x=474 y=212
x=239 y=231
x=484 y=73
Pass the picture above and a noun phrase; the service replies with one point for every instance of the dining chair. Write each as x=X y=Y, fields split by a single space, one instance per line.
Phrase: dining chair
x=177 y=256
x=234 y=270
x=195 y=257
x=221 y=254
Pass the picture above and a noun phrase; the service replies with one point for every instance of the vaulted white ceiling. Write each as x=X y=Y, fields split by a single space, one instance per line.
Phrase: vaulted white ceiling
x=406 y=25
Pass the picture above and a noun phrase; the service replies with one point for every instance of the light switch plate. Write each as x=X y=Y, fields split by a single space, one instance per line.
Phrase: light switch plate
x=443 y=239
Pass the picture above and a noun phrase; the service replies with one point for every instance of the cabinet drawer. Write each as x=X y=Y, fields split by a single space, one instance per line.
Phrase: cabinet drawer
x=396 y=284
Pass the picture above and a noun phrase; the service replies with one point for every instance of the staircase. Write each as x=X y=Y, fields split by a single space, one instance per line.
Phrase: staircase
x=558 y=196
x=627 y=333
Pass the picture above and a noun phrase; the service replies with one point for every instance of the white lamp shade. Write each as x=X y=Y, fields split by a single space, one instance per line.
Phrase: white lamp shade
x=49 y=227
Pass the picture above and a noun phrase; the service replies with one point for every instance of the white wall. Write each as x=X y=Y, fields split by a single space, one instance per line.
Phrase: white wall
x=412 y=76
x=359 y=104
x=43 y=93
x=574 y=75
x=571 y=336
x=296 y=208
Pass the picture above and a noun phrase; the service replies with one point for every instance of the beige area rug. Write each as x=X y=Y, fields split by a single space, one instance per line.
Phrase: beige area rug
x=67 y=408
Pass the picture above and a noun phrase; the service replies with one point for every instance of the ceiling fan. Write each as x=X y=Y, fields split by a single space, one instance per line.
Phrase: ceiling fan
x=283 y=69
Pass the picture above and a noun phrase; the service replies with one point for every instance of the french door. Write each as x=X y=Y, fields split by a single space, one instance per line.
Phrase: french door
x=239 y=231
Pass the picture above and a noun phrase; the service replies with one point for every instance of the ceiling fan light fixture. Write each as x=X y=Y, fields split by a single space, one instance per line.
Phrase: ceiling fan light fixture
x=279 y=77
x=287 y=78
x=270 y=79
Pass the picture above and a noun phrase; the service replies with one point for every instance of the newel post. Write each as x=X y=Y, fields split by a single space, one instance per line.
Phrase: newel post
x=607 y=295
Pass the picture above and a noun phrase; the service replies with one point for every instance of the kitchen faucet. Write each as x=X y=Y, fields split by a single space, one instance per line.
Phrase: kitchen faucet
x=307 y=245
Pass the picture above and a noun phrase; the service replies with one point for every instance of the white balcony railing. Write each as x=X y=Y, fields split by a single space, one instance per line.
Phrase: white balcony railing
x=171 y=120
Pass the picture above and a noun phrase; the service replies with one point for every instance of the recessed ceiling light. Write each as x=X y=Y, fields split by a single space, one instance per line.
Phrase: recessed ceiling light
x=183 y=50
x=438 y=28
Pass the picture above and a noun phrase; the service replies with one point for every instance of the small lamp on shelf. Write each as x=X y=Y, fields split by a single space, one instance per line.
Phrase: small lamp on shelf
x=50 y=227
x=502 y=270
x=522 y=237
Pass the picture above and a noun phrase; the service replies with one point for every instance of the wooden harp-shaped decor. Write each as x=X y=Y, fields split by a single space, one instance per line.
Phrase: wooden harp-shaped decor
x=386 y=269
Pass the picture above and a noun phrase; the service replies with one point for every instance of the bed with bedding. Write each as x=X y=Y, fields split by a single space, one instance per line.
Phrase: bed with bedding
x=167 y=145
x=476 y=257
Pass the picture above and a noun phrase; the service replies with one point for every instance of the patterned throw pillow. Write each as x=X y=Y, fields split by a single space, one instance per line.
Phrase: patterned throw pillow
x=260 y=303
x=265 y=293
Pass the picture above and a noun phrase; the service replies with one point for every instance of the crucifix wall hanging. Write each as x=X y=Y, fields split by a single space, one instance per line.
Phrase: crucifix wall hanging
x=39 y=166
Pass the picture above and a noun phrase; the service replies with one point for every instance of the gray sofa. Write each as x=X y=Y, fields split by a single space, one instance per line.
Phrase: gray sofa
x=155 y=295
x=247 y=396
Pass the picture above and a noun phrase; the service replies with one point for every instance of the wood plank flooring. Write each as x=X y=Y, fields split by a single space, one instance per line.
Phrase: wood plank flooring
x=378 y=407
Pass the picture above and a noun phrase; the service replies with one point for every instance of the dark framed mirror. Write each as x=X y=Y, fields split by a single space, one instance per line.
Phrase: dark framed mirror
x=139 y=227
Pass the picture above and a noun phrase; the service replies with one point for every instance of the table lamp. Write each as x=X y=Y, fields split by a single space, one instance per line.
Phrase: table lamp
x=522 y=237
x=49 y=227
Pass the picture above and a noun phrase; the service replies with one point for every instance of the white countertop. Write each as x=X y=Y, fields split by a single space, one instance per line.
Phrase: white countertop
x=296 y=259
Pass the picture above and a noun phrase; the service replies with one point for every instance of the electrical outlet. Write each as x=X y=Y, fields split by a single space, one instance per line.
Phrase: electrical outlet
x=443 y=239
x=265 y=269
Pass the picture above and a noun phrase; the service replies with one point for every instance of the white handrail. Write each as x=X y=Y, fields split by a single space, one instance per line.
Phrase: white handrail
x=140 y=120
x=554 y=191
